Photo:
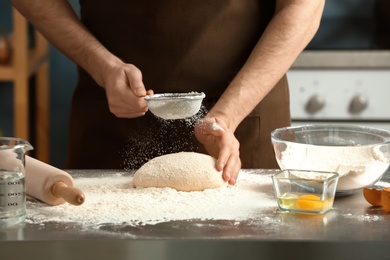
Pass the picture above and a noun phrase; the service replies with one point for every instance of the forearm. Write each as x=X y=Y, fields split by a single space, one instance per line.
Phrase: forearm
x=293 y=26
x=57 y=21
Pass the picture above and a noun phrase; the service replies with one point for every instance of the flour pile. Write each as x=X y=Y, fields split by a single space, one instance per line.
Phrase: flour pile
x=113 y=200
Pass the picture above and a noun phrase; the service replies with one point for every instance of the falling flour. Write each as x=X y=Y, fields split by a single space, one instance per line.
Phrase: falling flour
x=147 y=143
x=113 y=200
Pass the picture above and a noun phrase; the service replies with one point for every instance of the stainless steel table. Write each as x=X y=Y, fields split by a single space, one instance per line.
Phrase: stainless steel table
x=352 y=230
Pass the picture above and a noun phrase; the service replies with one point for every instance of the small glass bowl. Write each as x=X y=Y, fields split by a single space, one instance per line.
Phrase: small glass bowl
x=308 y=192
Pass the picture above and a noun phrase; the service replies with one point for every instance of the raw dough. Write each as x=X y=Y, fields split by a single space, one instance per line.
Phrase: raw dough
x=183 y=171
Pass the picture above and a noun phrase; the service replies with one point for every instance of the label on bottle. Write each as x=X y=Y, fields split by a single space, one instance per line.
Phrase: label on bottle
x=12 y=196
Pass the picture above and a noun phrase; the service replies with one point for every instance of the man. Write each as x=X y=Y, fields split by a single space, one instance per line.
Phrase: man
x=235 y=51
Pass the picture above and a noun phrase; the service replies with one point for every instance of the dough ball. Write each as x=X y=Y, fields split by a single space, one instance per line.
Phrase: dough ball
x=183 y=171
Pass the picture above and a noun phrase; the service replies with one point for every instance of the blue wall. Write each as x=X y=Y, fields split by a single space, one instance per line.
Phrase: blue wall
x=62 y=82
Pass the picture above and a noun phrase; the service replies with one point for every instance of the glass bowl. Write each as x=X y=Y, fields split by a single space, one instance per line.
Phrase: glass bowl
x=175 y=105
x=360 y=155
x=308 y=192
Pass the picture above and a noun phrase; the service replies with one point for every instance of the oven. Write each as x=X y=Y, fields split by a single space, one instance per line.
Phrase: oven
x=343 y=76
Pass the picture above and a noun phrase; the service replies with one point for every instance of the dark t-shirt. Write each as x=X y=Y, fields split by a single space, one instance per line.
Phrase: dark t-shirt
x=179 y=46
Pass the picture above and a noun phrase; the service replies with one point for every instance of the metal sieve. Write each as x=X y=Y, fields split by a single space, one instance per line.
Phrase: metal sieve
x=175 y=105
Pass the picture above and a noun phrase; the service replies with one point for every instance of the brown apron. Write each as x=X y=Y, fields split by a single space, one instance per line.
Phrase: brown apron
x=180 y=46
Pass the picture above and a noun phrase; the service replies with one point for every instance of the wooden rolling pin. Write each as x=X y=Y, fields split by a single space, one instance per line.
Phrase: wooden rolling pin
x=50 y=184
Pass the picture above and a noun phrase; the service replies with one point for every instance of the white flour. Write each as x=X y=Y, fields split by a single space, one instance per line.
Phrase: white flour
x=147 y=143
x=113 y=200
x=364 y=217
x=176 y=106
x=357 y=166
x=216 y=127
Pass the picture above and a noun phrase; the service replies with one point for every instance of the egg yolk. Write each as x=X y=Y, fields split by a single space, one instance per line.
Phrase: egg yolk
x=310 y=202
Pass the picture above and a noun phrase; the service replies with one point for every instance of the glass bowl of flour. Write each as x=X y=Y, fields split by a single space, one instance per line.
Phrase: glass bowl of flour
x=360 y=155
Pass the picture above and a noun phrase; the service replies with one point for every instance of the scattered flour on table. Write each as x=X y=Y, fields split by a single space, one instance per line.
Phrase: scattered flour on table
x=364 y=217
x=113 y=200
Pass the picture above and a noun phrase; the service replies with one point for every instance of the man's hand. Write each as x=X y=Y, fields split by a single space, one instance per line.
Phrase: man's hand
x=125 y=91
x=220 y=143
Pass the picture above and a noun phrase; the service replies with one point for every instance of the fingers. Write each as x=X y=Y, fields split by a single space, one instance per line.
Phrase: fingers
x=130 y=115
x=221 y=143
x=124 y=104
x=229 y=158
x=134 y=77
x=125 y=92
x=150 y=92
x=232 y=169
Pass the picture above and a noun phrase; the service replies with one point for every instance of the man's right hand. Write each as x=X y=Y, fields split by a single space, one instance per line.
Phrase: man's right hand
x=125 y=91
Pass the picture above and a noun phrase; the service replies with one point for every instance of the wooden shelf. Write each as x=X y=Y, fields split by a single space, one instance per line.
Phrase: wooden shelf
x=25 y=63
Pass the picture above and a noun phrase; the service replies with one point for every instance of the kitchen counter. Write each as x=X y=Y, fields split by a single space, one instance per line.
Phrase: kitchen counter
x=353 y=230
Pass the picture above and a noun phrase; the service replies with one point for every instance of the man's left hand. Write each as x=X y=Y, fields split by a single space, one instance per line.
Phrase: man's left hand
x=220 y=142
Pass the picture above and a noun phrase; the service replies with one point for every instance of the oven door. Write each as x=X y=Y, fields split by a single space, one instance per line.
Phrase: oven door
x=354 y=25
